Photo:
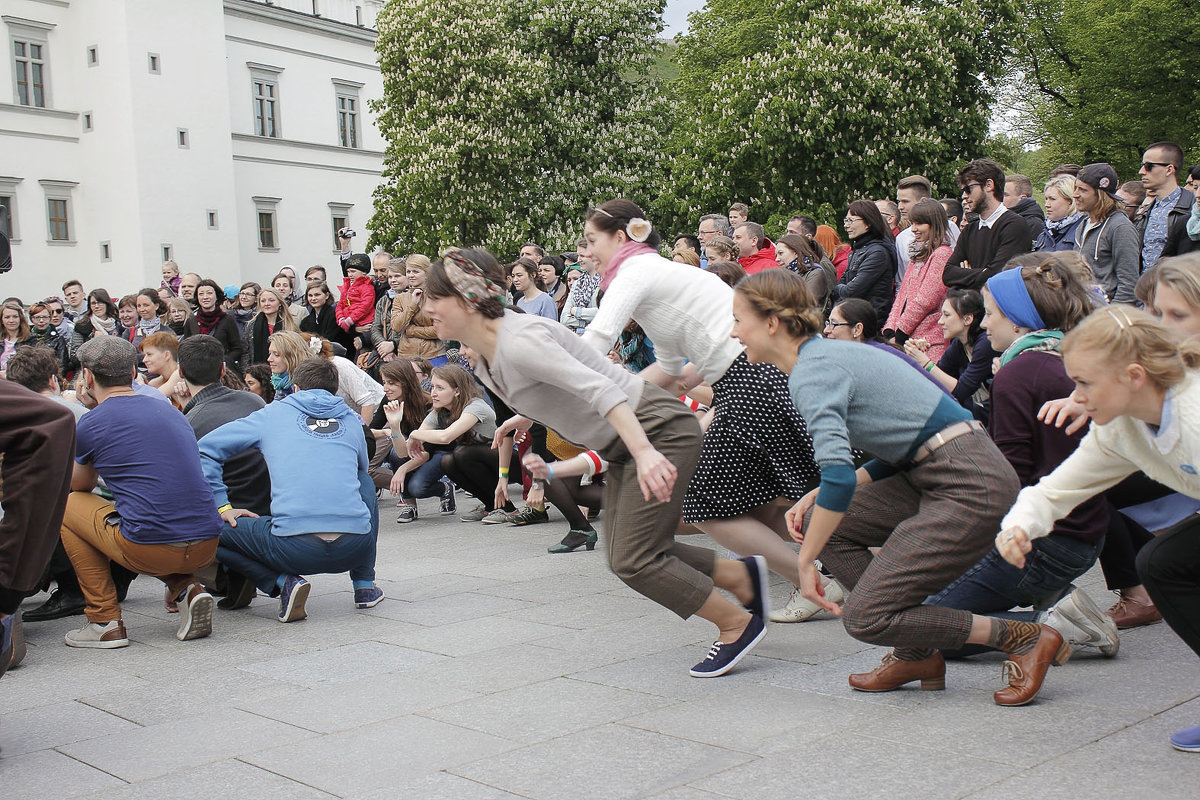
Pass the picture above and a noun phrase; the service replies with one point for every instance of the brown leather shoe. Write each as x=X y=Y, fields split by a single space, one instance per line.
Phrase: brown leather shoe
x=892 y=673
x=1133 y=614
x=1025 y=673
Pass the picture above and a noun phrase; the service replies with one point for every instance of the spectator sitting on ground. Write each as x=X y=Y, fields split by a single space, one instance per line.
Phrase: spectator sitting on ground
x=178 y=313
x=134 y=530
x=1131 y=195
x=1062 y=218
x=551 y=269
x=729 y=271
x=721 y=248
x=213 y=320
x=322 y=521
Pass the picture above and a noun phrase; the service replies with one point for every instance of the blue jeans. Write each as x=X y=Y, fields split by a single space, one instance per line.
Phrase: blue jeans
x=425 y=480
x=261 y=556
x=993 y=586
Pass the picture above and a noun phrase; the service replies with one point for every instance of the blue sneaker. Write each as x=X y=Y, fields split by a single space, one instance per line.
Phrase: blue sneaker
x=723 y=657
x=1187 y=740
x=292 y=597
x=760 y=604
x=369 y=597
x=7 y=629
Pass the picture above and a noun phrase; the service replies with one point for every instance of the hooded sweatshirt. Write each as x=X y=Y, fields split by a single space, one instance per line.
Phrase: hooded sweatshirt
x=764 y=258
x=317 y=457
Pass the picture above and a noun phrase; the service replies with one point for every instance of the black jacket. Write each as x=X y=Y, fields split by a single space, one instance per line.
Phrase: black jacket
x=871 y=274
x=1178 y=241
x=56 y=342
x=1034 y=217
x=226 y=333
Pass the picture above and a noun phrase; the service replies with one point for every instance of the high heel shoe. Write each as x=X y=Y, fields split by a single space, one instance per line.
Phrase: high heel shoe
x=573 y=540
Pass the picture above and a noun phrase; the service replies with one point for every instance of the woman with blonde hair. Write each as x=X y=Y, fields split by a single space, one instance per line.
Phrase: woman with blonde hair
x=1142 y=390
x=416 y=337
x=14 y=330
x=1062 y=218
x=288 y=348
x=272 y=318
x=178 y=312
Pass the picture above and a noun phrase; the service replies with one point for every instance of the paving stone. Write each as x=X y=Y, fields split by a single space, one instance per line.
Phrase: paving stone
x=666 y=674
x=553 y=589
x=229 y=778
x=447 y=609
x=48 y=773
x=499 y=669
x=546 y=710
x=356 y=703
x=441 y=786
x=845 y=765
x=56 y=724
x=471 y=636
x=160 y=700
x=582 y=613
x=609 y=762
x=380 y=755
x=341 y=664
x=187 y=742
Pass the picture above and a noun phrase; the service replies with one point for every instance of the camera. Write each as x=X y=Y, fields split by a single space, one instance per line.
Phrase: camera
x=346 y=233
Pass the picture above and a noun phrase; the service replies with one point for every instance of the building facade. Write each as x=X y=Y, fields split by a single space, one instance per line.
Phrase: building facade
x=231 y=136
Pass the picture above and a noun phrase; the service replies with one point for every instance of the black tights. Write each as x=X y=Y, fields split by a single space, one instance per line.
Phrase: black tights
x=1169 y=566
x=475 y=467
x=1125 y=538
x=567 y=495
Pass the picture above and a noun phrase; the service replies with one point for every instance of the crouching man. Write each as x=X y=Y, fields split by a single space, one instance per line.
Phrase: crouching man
x=162 y=520
x=323 y=513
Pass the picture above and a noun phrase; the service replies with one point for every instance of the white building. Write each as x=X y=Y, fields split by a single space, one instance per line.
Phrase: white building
x=232 y=136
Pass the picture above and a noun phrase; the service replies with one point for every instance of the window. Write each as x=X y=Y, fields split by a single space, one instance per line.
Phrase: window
x=60 y=227
x=30 y=69
x=93 y=56
x=8 y=208
x=6 y=215
x=358 y=16
x=268 y=232
x=339 y=216
x=264 y=84
x=346 y=93
x=106 y=251
x=211 y=216
x=167 y=252
x=181 y=139
x=154 y=63
x=87 y=122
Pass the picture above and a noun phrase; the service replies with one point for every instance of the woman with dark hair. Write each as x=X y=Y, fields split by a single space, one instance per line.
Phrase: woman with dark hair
x=212 y=319
x=550 y=268
x=648 y=437
x=101 y=319
x=756 y=448
x=245 y=306
x=871 y=273
x=152 y=316
x=794 y=252
x=852 y=320
x=14 y=330
x=257 y=378
x=322 y=318
x=408 y=402
x=918 y=305
x=286 y=286
x=527 y=281
x=909 y=521
x=965 y=367
x=728 y=271
x=1029 y=311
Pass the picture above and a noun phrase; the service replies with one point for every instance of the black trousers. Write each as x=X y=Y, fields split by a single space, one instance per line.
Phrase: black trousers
x=1125 y=538
x=475 y=467
x=1169 y=567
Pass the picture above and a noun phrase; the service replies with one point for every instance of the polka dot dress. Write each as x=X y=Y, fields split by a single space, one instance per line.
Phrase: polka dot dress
x=756 y=449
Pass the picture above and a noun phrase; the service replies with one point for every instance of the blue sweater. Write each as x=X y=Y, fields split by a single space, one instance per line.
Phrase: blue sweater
x=317 y=456
x=854 y=395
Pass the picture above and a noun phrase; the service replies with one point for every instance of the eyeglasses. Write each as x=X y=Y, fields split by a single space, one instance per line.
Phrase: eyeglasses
x=56 y=312
x=848 y=220
x=832 y=324
x=967 y=189
x=1148 y=166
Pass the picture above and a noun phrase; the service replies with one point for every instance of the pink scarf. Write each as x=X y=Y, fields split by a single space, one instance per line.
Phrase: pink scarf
x=627 y=250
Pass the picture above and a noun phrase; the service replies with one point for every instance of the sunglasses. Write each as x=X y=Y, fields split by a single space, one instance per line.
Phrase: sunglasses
x=1149 y=166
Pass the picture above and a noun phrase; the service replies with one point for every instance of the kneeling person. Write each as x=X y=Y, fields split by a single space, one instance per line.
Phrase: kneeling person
x=323 y=512
x=161 y=521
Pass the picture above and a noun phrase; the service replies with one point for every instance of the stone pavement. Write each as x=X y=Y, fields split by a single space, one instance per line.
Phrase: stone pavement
x=495 y=670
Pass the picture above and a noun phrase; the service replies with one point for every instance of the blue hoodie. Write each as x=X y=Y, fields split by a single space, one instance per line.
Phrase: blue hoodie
x=317 y=456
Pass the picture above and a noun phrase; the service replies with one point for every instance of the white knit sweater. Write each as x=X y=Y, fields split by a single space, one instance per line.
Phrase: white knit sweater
x=1110 y=453
x=686 y=312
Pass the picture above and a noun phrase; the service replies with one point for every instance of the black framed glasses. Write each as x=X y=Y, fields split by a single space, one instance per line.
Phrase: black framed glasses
x=967 y=189
x=831 y=324
x=1149 y=166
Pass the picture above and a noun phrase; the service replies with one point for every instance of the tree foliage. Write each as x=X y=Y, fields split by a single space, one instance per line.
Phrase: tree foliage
x=790 y=104
x=506 y=119
x=1101 y=79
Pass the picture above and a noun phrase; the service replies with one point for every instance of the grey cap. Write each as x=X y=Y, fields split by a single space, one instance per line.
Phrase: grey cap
x=109 y=357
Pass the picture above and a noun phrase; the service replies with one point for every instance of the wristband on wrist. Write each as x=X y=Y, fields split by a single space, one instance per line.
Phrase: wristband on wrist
x=224 y=508
x=929 y=365
x=397 y=436
x=549 y=469
x=504 y=472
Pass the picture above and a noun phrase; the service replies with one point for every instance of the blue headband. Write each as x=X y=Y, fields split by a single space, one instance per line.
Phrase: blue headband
x=1009 y=291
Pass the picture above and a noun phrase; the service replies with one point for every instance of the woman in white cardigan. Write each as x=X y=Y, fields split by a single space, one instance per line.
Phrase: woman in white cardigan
x=1142 y=391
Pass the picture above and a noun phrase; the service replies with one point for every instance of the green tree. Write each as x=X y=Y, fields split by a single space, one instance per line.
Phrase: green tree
x=789 y=104
x=1101 y=79
x=505 y=120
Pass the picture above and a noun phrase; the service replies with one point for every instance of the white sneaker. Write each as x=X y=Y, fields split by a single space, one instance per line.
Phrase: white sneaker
x=97 y=636
x=799 y=608
x=1082 y=623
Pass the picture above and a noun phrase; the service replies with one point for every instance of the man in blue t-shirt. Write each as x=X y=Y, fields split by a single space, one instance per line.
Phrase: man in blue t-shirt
x=324 y=516
x=162 y=520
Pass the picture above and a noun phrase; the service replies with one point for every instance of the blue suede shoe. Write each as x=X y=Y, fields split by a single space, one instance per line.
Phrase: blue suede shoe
x=292 y=598
x=369 y=597
x=723 y=657
x=760 y=604
x=1187 y=740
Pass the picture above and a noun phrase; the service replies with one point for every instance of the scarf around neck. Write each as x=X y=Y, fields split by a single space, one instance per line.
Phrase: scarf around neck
x=627 y=250
x=207 y=320
x=1038 y=341
x=1056 y=228
x=282 y=382
x=108 y=324
x=148 y=326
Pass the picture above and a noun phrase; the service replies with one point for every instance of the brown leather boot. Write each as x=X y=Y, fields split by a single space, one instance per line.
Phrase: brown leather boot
x=892 y=673
x=1026 y=672
x=1129 y=613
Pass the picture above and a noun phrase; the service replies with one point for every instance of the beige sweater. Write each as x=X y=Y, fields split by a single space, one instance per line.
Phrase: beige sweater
x=1110 y=453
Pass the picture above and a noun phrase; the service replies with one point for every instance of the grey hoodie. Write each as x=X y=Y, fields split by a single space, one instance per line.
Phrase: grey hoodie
x=1114 y=251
